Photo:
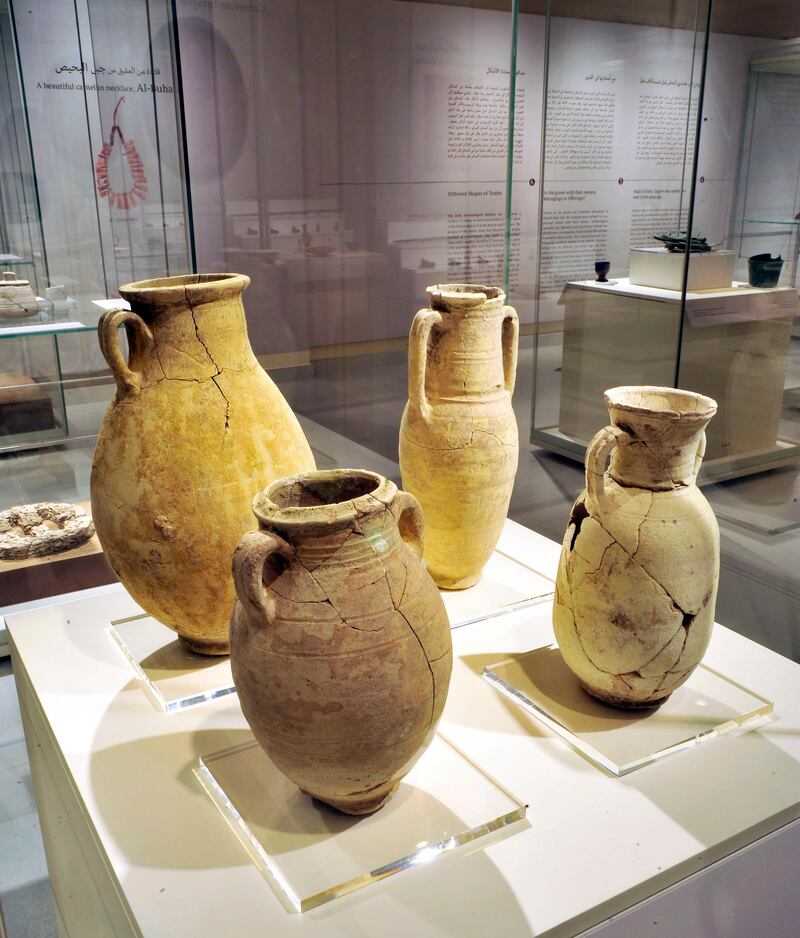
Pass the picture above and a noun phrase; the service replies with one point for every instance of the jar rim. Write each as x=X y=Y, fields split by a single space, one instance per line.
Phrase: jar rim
x=654 y=401
x=323 y=496
x=464 y=296
x=184 y=288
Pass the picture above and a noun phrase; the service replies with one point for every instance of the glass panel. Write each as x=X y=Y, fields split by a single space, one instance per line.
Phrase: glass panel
x=173 y=677
x=621 y=741
x=742 y=347
x=109 y=217
x=724 y=338
x=311 y=854
x=620 y=119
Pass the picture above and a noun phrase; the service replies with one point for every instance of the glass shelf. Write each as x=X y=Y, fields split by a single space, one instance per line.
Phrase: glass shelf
x=311 y=854
x=621 y=741
x=21 y=331
x=12 y=260
x=505 y=586
x=173 y=677
x=771 y=221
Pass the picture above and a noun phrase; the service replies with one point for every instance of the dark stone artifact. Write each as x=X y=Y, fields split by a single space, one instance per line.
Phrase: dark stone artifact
x=340 y=642
x=764 y=270
x=601 y=268
x=675 y=242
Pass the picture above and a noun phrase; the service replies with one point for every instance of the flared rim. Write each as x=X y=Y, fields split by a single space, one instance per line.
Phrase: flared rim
x=464 y=296
x=191 y=288
x=651 y=400
x=323 y=496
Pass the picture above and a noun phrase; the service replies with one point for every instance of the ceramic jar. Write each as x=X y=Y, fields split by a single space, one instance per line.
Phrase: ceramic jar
x=340 y=643
x=195 y=427
x=458 y=439
x=637 y=579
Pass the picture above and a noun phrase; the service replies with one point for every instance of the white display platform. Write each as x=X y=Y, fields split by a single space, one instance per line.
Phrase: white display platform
x=136 y=848
x=175 y=678
x=732 y=345
x=171 y=675
x=658 y=267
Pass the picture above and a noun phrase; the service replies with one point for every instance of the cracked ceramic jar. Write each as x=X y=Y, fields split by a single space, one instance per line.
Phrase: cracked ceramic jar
x=340 y=643
x=195 y=427
x=458 y=439
x=637 y=579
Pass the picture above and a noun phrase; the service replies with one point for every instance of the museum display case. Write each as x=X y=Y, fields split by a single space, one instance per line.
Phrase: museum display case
x=701 y=132
x=248 y=238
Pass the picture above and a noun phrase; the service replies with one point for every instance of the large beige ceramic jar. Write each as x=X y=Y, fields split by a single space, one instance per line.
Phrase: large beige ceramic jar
x=340 y=643
x=637 y=580
x=458 y=440
x=195 y=427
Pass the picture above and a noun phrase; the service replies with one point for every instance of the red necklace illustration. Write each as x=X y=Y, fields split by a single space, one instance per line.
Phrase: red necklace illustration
x=139 y=188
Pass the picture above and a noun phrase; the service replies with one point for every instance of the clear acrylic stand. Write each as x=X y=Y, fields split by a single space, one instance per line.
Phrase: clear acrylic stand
x=505 y=586
x=172 y=676
x=621 y=741
x=311 y=854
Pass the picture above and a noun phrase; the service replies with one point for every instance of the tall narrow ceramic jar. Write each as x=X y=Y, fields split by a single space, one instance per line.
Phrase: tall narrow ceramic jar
x=637 y=579
x=458 y=439
x=195 y=427
x=340 y=643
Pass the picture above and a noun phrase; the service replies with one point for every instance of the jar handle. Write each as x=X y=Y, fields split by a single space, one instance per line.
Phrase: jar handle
x=424 y=321
x=410 y=521
x=259 y=559
x=127 y=374
x=598 y=451
x=698 y=456
x=510 y=347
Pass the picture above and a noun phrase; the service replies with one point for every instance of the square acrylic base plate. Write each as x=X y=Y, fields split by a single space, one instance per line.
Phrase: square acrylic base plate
x=620 y=741
x=172 y=676
x=505 y=586
x=311 y=854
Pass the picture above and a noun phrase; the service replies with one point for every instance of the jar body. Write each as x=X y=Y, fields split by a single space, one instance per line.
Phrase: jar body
x=195 y=428
x=459 y=443
x=342 y=664
x=637 y=578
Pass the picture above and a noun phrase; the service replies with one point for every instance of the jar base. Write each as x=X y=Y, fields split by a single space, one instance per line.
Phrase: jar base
x=364 y=803
x=621 y=702
x=208 y=648
x=450 y=583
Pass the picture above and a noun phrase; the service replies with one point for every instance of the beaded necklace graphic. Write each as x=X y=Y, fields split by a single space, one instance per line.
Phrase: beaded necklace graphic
x=138 y=190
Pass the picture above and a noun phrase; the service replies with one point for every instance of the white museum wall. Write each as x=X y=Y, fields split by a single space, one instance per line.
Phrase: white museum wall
x=382 y=126
x=619 y=99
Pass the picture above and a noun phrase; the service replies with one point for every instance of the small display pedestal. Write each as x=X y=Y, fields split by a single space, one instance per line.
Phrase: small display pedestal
x=311 y=854
x=172 y=676
x=621 y=741
x=505 y=586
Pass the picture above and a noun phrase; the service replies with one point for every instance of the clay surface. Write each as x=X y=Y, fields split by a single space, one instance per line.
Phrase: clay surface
x=340 y=643
x=458 y=439
x=16 y=297
x=41 y=529
x=637 y=578
x=195 y=428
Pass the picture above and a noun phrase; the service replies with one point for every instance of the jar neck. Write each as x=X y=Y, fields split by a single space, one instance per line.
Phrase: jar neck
x=353 y=542
x=465 y=355
x=661 y=452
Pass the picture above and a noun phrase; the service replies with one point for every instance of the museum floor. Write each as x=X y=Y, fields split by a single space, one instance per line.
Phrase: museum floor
x=351 y=409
